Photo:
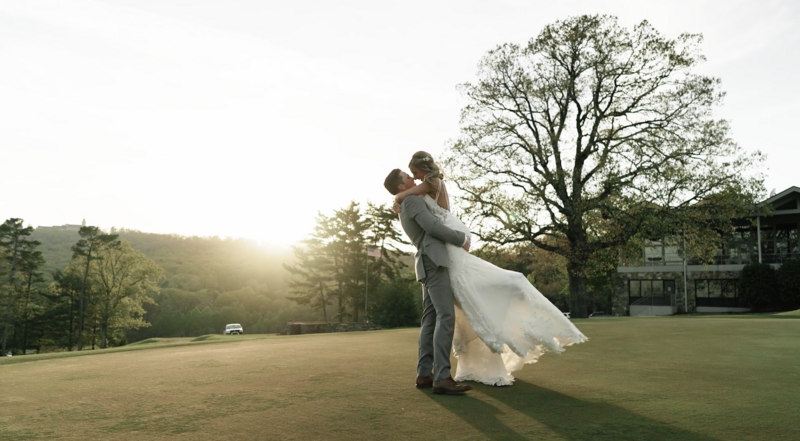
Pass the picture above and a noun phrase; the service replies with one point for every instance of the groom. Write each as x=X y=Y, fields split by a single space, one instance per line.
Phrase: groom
x=431 y=263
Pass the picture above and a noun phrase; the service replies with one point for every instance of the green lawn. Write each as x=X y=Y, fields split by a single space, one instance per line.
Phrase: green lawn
x=671 y=378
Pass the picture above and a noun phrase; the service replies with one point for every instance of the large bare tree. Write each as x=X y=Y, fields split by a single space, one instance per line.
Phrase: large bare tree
x=573 y=141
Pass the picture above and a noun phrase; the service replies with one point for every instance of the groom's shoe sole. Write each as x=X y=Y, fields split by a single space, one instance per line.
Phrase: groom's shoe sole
x=424 y=385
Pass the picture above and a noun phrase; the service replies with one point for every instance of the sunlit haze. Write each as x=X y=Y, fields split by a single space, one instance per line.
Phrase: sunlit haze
x=245 y=118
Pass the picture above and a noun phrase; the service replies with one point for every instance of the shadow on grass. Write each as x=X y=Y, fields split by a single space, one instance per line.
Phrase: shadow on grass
x=575 y=419
x=569 y=417
x=478 y=414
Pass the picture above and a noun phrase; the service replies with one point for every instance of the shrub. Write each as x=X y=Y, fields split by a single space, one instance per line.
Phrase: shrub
x=395 y=304
x=788 y=276
x=758 y=287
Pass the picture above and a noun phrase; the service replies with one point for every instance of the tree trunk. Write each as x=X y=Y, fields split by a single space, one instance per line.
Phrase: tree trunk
x=577 y=291
x=104 y=317
x=94 y=333
x=355 y=304
x=25 y=337
x=94 y=325
x=80 y=303
x=322 y=299
x=341 y=303
x=103 y=333
x=71 y=319
x=25 y=329
x=15 y=342
x=25 y=317
x=7 y=318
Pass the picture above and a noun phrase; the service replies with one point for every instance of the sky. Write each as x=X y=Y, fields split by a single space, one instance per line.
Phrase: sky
x=245 y=118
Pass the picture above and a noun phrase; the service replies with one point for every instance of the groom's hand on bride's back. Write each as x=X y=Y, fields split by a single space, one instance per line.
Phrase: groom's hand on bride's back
x=467 y=243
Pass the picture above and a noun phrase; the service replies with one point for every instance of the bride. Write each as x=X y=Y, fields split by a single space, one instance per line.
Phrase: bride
x=502 y=321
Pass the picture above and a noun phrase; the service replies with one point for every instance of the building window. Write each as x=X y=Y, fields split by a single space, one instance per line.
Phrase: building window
x=662 y=252
x=659 y=292
x=779 y=243
x=701 y=288
x=716 y=292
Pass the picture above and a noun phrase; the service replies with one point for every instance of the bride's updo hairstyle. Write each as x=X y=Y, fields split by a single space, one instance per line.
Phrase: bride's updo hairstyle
x=424 y=161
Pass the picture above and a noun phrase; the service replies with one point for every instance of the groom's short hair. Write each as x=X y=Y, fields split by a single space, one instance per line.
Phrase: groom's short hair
x=393 y=181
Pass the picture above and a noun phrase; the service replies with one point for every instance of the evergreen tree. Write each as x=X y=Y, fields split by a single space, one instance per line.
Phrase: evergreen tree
x=332 y=264
x=60 y=315
x=312 y=275
x=30 y=307
x=384 y=234
x=14 y=242
x=85 y=250
x=348 y=244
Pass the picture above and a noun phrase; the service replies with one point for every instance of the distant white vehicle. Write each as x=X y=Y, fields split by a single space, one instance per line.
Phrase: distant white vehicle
x=233 y=328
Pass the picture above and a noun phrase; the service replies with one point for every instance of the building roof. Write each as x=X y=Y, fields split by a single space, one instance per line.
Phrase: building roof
x=781 y=201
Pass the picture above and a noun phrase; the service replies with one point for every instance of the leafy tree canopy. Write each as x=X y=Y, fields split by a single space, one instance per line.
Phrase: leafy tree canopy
x=591 y=133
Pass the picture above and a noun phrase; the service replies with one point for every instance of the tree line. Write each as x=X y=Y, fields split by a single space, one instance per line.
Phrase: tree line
x=98 y=295
x=80 y=287
x=77 y=287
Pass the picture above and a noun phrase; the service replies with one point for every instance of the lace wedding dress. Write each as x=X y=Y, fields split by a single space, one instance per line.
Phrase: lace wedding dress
x=502 y=321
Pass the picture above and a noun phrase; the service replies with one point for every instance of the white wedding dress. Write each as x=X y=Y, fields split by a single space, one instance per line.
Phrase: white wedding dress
x=502 y=321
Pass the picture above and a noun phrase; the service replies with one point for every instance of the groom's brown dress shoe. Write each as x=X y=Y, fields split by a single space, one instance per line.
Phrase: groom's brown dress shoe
x=450 y=387
x=424 y=382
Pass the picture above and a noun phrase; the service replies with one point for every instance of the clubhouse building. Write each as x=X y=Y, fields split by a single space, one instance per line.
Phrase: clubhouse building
x=661 y=282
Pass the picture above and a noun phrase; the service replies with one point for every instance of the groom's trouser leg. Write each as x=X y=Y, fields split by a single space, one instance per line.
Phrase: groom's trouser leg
x=440 y=295
x=426 y=330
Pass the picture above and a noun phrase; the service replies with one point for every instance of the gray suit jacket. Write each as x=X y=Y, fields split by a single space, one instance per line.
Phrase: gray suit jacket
x=427 y=234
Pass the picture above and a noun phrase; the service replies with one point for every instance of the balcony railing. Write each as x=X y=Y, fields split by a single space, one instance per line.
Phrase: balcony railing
x=741 y=259
x=779 y=258
x=651 y=262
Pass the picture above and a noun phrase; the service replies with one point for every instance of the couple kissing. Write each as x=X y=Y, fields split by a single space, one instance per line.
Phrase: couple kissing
x=494 y=320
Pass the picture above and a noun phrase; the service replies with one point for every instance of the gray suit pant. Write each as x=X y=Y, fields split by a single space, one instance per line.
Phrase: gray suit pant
x=438 y=322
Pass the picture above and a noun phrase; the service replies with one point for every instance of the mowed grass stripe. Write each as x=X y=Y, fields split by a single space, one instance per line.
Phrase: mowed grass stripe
x=150 y=343
x=668 y=378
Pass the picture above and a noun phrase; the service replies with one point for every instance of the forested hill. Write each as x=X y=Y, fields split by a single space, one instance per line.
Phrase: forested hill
x=208 y=282
x=190 y=263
